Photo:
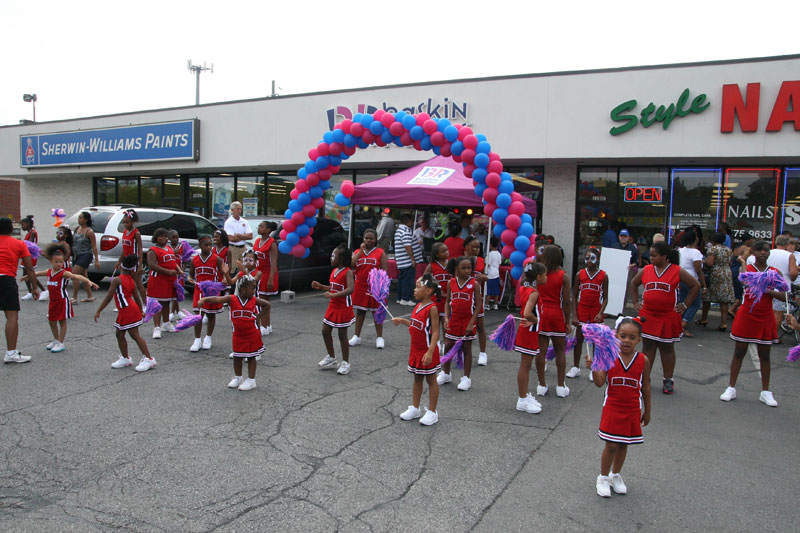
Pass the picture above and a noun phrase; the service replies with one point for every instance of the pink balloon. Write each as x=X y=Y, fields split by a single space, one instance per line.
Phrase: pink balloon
x=313 y=154
x=396 y=128
x=508 y=249
x=417 y=145
x=463 y=132
x=377 y=115
x=470 y=142
x=494 y=156
x=319 y=203
x=516 y=208
x=346 y=123
x=488 y=209
x=405 y=138
x=347 y=188
x=379 y=142
x=312 y=180
x=531 y=250
x=493 y=180
x=283 y=234
x=307 y=241
x=437 y=138
x=456 y=158
x=445 y=150
x=301 y=185
x=357 y=129
x=298 y=217
x=495 y=166
x=334 y=169
x=387 y=120
x=468 y=170
x=298 y=250
x=324 y=174
x=513 y=222
x=516 y=197
x=349 y=150
x=468 y=156
x=309 y=211
x=294 y=194
x=421 y=118
x=508 y=236
x=289 y=226
x=490 y=195
x=429 y=126
x=335 y=149
x=323 y=149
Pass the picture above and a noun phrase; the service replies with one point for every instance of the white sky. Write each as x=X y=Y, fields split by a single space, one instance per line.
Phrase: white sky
x=85 y=58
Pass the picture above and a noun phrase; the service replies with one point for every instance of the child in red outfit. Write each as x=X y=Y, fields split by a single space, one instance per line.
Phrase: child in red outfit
x=205 y=266
x=366 y=258
x=339 y=314
x=589 y=301
x=164 y=270
x=527 y=340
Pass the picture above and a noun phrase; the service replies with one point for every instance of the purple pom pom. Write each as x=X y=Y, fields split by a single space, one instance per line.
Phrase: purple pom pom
x=152 y=308
x=606 y=345
x=180 y=295
x=189 y=321
x=505 y=335
x=186 y=252
x=455 y=351
x=794 y=354
x=378 y=282
x=211 y=288
x=758 y=283
x=550 y=354
x=32 y=249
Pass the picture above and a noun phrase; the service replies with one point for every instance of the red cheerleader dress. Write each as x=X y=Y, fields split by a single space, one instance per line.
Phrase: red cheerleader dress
x=552 y=323
x=129 y=315
x=246 y=334
x=261 y=249
x=757 y=326
x=129 y=246
x=622 y=406
x=60 y=307
x=421 y=332
x=660 y=296
x=365 y=262
x=462 y=306
x=590 y=296
x=160 y=286
x=527 y=340
x=205 y=270
x=340 y=310
x=223 y=253
x=442 y=277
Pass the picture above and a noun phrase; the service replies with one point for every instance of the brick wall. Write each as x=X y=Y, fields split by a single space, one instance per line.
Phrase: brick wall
x=9 y=199
x=40 y=195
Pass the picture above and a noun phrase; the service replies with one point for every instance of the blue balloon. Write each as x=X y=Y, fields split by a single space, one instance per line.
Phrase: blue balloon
x=416 y=133
x=288 y=214
x=442 y=124
x=324 y=185
x=480 y=188
x=311 y=166
x=409 y=122
x=350 y=140
x=398 y=142
x=516 y=272
x=311 y=222
x=525 y=230
x=376 y=128
x=338 y=136
x=344 y=156
x=284 y=247
x=334 y=160
x=505 y=176
x=302 y=173
x=302 y=230
x=315 y=191
x=399 y=116
x=457 y=148
x=306 y=253
x=479 y=175
x=361 y=143
x=522 y=243
x=436 y=150
x=304 y=198
x=387 y=136
x=481 y=160
x=451 y=133
x=342 y=200
x=425 y=143
x=503 y=200
x=357 y=117
x=292 y=238
x=481 y=137
x=517 y=258
x=499 y=215
x=498 y=229
x=322 y=162
x=526 y=218
x=506 y=187
x=327 y=137
x=295 y=206
x=366 y=120
x=483 y=147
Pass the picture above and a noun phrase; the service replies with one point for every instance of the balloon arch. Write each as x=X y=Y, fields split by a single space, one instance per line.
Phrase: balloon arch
x=513 y=226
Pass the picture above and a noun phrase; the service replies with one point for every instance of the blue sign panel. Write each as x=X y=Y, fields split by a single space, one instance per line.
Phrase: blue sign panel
x=167 y=141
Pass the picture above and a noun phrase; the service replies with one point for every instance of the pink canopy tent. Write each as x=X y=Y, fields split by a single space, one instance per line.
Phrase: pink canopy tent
x=438 y=182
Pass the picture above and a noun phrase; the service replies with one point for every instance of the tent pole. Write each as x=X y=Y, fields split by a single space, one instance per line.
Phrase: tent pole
x=486 y=255
x=350 y=229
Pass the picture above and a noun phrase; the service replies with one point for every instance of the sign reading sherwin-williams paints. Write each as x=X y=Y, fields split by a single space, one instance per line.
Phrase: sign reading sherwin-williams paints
x=651 y=113
x=166 y=141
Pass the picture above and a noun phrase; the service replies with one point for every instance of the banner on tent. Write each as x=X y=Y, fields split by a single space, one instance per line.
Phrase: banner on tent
x=431 y=176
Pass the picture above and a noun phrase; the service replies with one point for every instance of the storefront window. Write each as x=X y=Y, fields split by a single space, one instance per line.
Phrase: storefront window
x=331 y=209
x=173 y=195
x=279 y=186
x=697 y=195
x=529 y=182
x=642 y=204
x=198 y=196
x=791 y=202
x=250 y=191
x=128 y=191
x=105 y=191
x=751 y=201
x=151 y=192
x=597 y=206
x=220 y=191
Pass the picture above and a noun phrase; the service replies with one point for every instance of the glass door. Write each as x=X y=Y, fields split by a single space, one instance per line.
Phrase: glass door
x=696 y=198
x=750 y=201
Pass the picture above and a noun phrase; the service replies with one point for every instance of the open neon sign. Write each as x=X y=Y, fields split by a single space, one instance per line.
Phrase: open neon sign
x=643 y=194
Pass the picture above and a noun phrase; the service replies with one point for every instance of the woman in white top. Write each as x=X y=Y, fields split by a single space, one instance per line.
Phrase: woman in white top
x=691 y=262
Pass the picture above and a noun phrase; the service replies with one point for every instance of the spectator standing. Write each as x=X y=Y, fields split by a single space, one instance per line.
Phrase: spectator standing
x=466 y=222
x=624 y=243
x=691 y=262
x=720 y=278
x=239 y=233
x=480 y=235
x=385 y=231
x=423 y=231
x=454 y=243
x=11 y=252
x=407 y=253
x=609 y=239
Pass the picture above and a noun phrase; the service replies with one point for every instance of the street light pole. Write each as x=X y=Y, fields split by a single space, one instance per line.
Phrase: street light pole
x=32 y=99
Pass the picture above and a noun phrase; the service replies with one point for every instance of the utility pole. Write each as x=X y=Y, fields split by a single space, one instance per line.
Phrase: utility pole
x=197 y=69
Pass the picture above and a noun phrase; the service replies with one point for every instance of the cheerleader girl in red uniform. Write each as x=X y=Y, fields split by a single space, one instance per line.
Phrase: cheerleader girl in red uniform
x=626 y=407
x=527 y=340
x=266 y=251
x=205 y=266
x=60 y=307
x=438 y=269
x=179 y=247
x=472 y=248
x=554 y=323
x=423 y=359
x=366 y=258
x=31 y=235
x=461 y=315
x=132 y=245
x=129 y=314
x=222 y=247
x=755 y=326
x=660 y=308
x=164 y=270
x=589 y=301
x=339 y=314
x=245 y=309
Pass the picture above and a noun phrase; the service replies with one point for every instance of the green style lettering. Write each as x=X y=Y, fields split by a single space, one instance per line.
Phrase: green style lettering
x=630 y=121
x=652 y=113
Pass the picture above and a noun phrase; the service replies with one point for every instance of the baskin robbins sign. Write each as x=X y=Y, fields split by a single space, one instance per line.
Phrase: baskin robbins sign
x=165 y=141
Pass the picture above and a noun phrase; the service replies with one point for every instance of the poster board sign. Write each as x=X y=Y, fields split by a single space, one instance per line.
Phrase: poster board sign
x=250 y=206
x=615 y=263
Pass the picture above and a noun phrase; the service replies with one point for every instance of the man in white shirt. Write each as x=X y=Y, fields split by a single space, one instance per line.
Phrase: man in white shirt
x=239 y=233
x=385 y=231
x=423 y=231
x=407 y=253
x=781 y=259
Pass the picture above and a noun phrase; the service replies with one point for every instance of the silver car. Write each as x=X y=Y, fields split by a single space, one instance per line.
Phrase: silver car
x=107 y=227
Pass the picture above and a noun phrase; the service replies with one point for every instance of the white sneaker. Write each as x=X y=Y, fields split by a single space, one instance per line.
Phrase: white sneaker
x=205 y=319
x=411 y=303
x=430 y=418
x=541 y=390
x=44 y=296
x=766 y=397
x=494 y=307
x=355 y=340
x=266 y=330
x=603 y=486
x=328 y=362
x=562 y=392
x=410 y=413
x=465 y=383
x=145 y=364
x=443 y=378
x=168 y=327
x=379 y=343
x=180 y=315
x=344 y=368
x=196 y=345
x=28 y=296
x=524 y=404
x=171 y=317
x=58 y=347
x=51 y=344
x=534 y=400
x=248 y=384
x=230 y=355
x=156 y=333
x=574 y=372
x=235 y=382
x=122 y=362
x=206 y=343
x=728 y=395
x=483 y=359
x=406 y=302
x=16 y=357
x=617 y=484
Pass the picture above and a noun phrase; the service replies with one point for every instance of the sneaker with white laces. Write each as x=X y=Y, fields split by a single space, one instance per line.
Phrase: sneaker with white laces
x=541 y=390
x=534 y=400
x=58 y=347
x=355 y=340
x=206 y=343
x=28 y=296
x=443 y=378
x=168 y=327
x=198 y=342
x=728 y=395
x=16 y=357
x=411 y=303
x=344 y=368
x=50 y=345
x=574 y=372
x=617 y=484
x=205 y=319
x=767 y=398
x=180 y=315
x=265 y=331
x=44 y=296
x=465 y=383
x=483 y=359
x=122 y=362
x=411 y=413
x=145 y=364
x=430 y=418
x=248 y=384
x=562 y=392
x=156 y=332
x=603 y=486
x=328 y=362
x=379 y=343
x=235 y=382
x=525 y=404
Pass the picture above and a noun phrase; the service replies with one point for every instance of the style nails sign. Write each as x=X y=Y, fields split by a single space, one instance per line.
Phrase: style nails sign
x=734 y=107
